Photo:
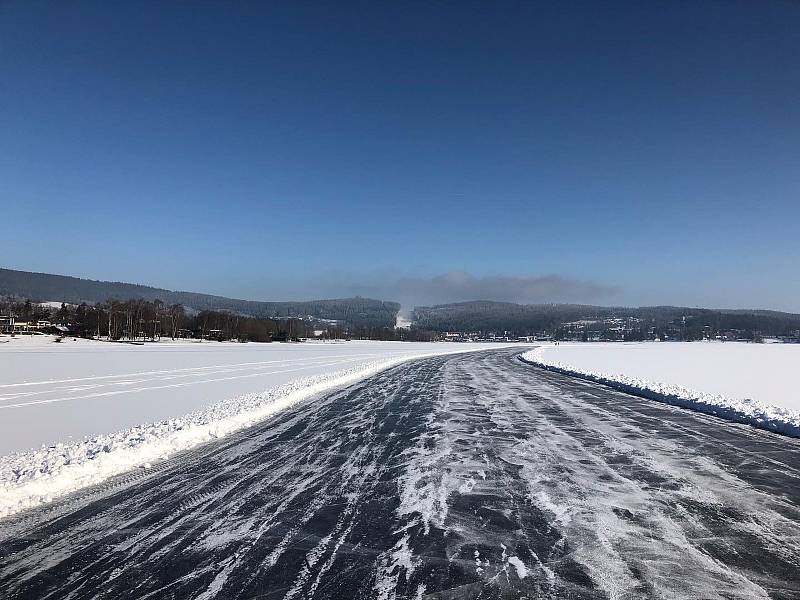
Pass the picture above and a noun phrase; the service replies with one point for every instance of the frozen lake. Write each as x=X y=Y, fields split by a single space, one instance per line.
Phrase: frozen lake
x=763 y=372
x=60 y=392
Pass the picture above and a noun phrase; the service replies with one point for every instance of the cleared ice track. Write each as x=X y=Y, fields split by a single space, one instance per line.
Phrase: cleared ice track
x=465 y=476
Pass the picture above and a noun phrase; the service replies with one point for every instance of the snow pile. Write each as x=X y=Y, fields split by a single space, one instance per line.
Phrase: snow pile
x=781 y=419
x=28 y=479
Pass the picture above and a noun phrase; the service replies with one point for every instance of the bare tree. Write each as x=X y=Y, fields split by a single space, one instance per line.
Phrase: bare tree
x=175 y=315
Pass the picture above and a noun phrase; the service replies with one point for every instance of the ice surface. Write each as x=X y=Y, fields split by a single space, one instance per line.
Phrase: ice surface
x=522 y=477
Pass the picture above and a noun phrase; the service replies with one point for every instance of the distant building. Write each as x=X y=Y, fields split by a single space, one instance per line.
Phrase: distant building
x=7 y=324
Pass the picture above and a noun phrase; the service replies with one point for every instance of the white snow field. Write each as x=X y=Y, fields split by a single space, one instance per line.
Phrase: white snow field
x=755 y=383
x=97 y=409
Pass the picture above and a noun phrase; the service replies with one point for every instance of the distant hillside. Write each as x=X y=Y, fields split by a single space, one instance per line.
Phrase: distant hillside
x=524 y=319
x=42 y=287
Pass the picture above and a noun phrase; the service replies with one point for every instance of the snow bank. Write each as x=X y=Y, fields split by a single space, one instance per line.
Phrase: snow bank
x=660 y=372
x=34 y=477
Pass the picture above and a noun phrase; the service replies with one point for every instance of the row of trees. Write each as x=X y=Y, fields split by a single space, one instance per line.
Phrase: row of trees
x=152 y=320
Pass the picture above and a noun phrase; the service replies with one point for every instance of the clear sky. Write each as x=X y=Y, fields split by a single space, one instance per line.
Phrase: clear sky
x=608 y=152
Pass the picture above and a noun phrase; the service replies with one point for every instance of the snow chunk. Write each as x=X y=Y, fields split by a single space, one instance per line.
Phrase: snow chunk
x=522 y=570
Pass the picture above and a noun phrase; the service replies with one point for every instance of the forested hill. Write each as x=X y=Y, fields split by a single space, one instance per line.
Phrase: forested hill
x=42 y=287
x=524 y=319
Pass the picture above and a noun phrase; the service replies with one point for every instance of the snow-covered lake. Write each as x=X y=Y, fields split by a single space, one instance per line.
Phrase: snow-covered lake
x=59 y=392
x=763 y=372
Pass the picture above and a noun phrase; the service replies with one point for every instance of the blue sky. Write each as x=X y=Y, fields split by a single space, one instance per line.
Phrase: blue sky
x=610 y=152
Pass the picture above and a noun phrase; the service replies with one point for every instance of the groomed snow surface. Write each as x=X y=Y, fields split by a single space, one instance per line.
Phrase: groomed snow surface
x=748 y=383
x=98 y=409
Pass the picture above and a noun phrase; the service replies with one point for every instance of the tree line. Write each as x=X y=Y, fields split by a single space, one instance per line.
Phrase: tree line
x=152 y=320
x=142 y=320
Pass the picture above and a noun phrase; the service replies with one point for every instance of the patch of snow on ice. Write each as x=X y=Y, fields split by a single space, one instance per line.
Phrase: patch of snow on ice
x=522 y=570
x=427 y=483
x=388 y=576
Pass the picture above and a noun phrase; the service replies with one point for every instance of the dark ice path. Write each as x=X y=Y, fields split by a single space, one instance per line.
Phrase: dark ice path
x=465 y=476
